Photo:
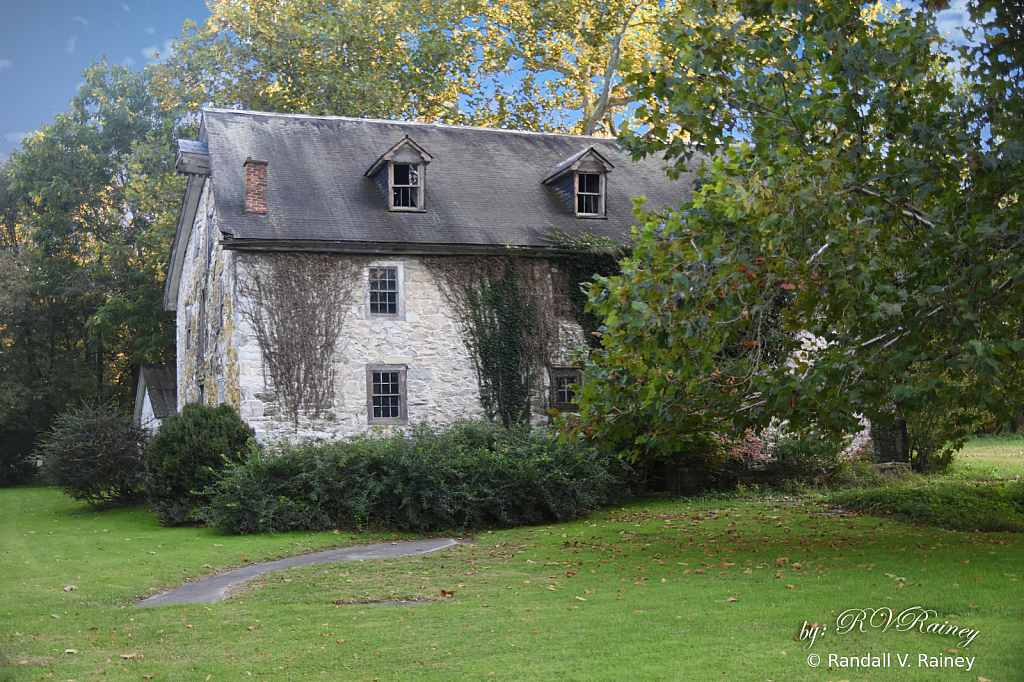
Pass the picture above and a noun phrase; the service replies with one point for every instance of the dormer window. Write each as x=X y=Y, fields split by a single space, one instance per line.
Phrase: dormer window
x=400 y=175
x=582 y=181
x=589 y=194
x=405 y=185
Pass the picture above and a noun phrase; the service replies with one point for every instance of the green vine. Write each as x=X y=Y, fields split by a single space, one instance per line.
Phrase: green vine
x=505 y=335
x=508 y=323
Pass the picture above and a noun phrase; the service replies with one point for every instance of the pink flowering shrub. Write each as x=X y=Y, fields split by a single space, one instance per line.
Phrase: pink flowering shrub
x=747 y=448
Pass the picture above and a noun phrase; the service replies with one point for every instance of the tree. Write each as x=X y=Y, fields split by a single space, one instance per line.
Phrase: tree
x=553 y=65
x=374 y=59
x=852 y=174
x=559 y=65
x=87 y=218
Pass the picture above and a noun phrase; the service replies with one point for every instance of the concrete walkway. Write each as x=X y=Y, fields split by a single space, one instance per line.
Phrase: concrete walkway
x=214 y=588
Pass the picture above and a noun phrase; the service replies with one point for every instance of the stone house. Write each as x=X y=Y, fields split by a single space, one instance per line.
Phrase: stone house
x=315 y=271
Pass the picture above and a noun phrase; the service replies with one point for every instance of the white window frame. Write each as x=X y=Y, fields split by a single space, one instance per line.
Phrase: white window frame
x=400 y=276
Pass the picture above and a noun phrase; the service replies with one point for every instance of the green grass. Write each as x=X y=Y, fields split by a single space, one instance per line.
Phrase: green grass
x=995 y=457
x=612 y=597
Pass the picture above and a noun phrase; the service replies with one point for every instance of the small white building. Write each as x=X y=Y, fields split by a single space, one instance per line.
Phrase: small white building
x=156 y=396
x=316 y=266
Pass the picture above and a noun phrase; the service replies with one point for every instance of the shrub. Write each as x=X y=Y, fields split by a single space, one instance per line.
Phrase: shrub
x=954 y=505
x=808 y=458
x=186 y=455
x=94 y=453
x=467 y=475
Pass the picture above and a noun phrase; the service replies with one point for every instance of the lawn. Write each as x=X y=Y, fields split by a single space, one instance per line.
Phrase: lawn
x=657 y=590
x=995 y=456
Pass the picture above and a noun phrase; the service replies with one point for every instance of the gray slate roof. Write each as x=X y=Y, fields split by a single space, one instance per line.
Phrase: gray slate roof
x=483 y=187
x=161 y=385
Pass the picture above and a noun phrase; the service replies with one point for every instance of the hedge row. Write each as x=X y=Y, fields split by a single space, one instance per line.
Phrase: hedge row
x=468 y=475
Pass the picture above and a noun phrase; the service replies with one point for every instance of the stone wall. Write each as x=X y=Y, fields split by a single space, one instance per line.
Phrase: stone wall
x=219 y=358
x=441 y=381
x=207 y=359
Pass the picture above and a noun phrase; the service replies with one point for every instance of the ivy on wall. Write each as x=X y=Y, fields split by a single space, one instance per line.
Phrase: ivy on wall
x=508 y=321
x=295 y=304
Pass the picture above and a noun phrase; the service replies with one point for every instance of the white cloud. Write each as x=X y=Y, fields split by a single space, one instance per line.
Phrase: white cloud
x=164 y=51
x=5 y=64
x=71 y=44
x=128 y=61
x=14 y=138
x=150 y=30
x=952 y=21
x=125 y=7
x=82 y=20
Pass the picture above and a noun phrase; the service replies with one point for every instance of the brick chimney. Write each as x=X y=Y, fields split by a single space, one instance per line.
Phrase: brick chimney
x=255 y=186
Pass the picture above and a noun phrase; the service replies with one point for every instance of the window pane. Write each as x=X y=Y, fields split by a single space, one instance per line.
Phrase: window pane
x=405 y=196
x=383 y=291
x=590 y=183
x=386 y=395
x=588 y=203
x=563 y=391
x=402 y=174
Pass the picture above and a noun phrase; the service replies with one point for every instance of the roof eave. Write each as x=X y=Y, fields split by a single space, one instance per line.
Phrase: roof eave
x=186 y=219
x=391 y=248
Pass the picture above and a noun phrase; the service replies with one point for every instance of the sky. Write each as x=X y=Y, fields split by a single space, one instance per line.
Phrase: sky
x=46 y=44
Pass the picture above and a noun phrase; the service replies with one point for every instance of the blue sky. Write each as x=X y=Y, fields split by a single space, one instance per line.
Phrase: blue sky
x=45 y=45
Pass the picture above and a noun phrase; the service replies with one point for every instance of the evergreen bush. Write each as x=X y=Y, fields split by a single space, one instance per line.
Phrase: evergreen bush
x=94 y=453
x=186 y=455
x=468 y=475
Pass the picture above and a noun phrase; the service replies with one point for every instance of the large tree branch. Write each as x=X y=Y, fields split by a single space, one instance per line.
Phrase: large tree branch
x=591 y=118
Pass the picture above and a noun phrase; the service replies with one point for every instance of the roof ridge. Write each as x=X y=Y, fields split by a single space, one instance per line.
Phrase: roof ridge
x=454 y=126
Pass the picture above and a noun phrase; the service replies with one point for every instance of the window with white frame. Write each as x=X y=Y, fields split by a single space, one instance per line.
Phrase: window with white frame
x=386 y=397
x=385 y=283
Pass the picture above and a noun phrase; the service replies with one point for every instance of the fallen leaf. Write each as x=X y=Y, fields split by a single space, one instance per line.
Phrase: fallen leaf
x=732 y=599
x=251 y=627
x=777 y=575
x=129 y=656
x=792 y=587
x=70 y=587
x=71 y=651
x=149 y=677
